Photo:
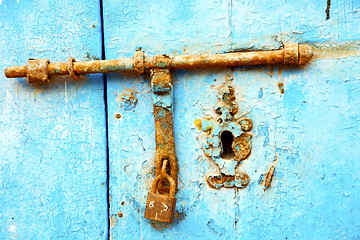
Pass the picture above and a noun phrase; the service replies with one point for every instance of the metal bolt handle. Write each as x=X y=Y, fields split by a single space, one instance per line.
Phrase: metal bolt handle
x=291 y=53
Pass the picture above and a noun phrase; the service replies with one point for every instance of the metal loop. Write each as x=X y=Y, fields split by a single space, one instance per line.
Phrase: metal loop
x=139 y=62
x=171 y=181
x=163 y=173
x=70 y=68
x=171 y=165
x=163 y=168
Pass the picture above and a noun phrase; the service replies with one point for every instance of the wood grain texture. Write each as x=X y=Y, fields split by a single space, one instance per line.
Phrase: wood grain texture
x=52 y=137
x=305 y=118
x=53 y=181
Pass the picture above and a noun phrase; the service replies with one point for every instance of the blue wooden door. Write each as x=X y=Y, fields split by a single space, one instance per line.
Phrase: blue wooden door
x=68 y=173
x=305 y=119
x=53 y=171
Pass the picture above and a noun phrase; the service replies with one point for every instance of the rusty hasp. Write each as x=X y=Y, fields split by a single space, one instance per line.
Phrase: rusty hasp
x=159 y=207
x=291 y=53
x=163 y=113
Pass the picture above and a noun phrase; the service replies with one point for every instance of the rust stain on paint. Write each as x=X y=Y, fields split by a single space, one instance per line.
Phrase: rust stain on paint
x=113 y=221
x=197 y=123
x=161 y=226
x=336 y=50
x=281 y=87
x=327 y=11
x=281 y=82
x=128 y=99
x=270 y=173
x=228 y=181
x=271 y=72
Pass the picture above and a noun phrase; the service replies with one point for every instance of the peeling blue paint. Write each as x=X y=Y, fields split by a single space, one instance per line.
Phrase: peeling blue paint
x=53 y=139
x=312 y=126
x=128 y=100
x=53 y=182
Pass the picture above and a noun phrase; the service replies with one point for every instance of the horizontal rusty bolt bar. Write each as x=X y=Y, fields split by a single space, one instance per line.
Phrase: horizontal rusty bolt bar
x=98 y=66
x=289 y=54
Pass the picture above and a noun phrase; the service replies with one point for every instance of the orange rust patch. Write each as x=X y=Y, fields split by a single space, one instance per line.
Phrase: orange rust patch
x=271 y=73
x=269 y=177
x=197 y=123
x=281 y=87
x=281 y=83
x=113 y=221
x=336 y=50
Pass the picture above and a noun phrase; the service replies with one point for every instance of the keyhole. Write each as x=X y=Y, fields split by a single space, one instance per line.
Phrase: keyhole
x=227 y=139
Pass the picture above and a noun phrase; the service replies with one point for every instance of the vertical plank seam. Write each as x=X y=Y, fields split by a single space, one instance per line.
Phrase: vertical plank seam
x=103 y=57
x=236 y=205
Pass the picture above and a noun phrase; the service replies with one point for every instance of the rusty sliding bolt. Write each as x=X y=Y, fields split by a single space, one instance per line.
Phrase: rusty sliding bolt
x=38 y=71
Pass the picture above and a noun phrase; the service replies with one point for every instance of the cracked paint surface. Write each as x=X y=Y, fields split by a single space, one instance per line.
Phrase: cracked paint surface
x=128 y=99
x=52 y=137
x=53 y=146
x=312 y=127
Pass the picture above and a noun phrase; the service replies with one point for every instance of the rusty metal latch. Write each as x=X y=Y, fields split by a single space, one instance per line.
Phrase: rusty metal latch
x=163 y=112
x=38 y=71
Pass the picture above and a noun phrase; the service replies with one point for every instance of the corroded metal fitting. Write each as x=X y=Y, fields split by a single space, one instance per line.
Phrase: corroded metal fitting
x=164 y=132
x=162 y=61
x=305 y=54
x=160 y=81
x=291 y=53
x=70 y=67
x=139 y=62
x=296 y=54
x=37 y=70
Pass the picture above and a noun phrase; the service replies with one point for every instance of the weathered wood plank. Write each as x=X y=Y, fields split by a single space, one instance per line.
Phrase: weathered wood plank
x=171 y=27
x=52 y=137
x=304 y=118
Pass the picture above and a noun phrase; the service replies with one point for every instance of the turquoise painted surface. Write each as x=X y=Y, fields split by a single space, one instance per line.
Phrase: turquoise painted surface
x=52 y=138
x=311 y=130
